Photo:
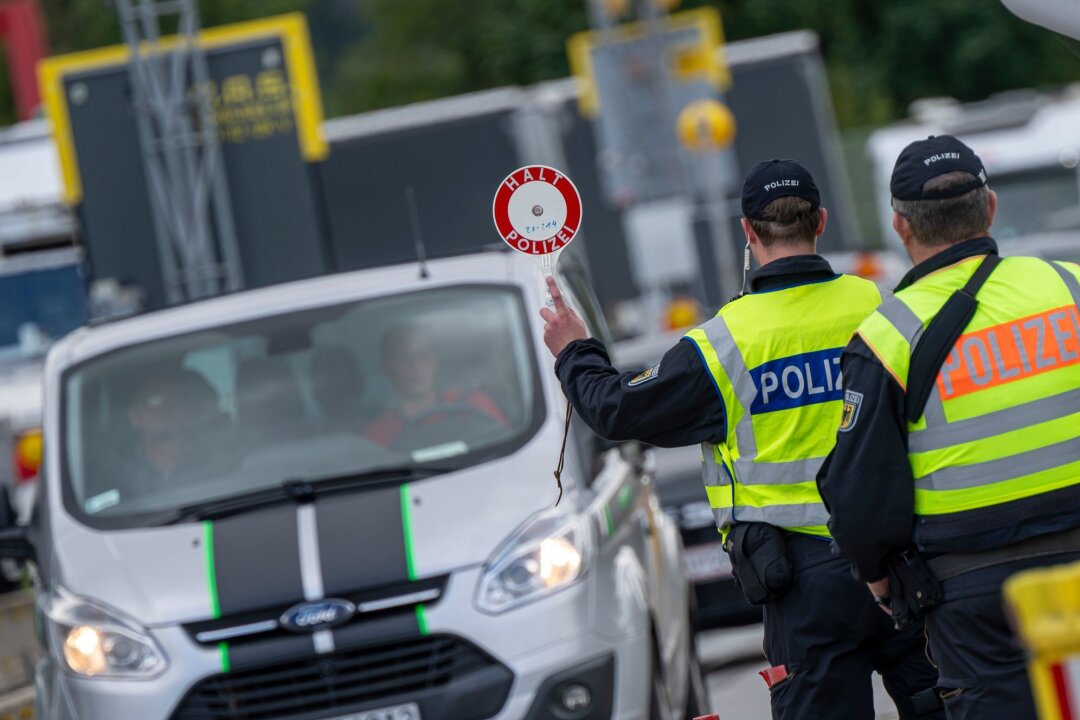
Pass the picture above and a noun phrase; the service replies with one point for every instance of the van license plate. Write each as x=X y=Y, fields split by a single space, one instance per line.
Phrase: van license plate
x=410 y=711
x=707 y=562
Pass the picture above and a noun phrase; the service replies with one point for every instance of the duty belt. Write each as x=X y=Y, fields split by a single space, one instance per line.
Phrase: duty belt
x=946 y=567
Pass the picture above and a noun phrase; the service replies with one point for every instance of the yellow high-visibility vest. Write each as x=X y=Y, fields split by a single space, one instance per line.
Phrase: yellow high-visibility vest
x=1003 y=421
x=775 y=359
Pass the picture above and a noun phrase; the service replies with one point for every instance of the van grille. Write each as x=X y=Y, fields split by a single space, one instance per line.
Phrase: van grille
x=335 y=682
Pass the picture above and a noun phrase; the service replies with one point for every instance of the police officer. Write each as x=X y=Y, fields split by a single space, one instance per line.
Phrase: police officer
x=759 y=387
x=986 y=480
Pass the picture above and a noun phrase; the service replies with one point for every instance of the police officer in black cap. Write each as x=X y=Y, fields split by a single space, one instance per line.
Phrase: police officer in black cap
x=957 y=462
x=759 y=388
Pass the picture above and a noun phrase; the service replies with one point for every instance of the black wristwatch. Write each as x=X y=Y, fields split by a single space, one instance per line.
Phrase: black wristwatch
x=884 y=601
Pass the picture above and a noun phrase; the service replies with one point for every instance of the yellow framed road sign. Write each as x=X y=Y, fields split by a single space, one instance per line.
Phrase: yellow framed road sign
x=254 y=103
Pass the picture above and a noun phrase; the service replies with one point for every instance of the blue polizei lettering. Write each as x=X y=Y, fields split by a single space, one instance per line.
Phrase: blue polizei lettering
x=797 y=381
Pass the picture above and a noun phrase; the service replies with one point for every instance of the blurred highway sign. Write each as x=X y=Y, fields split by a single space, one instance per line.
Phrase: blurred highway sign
x=690 y=40
x=267 y=112
x=537 y=210
x=635 y=80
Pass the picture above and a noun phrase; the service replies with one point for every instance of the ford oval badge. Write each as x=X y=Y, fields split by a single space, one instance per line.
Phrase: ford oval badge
x=317 y=615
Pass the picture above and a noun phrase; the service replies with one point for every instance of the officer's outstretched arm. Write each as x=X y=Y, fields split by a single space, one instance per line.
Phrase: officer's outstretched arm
x=671 y=404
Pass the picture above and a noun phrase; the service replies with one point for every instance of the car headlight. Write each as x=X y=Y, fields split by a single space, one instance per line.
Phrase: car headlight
x=93 y=641
x=547 y=554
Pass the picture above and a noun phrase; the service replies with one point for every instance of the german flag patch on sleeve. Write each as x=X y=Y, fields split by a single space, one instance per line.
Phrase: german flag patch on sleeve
x=852 y=404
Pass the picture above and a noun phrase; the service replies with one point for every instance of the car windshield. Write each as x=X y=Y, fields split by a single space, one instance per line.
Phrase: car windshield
x=439 y=378
x=1026 y=200
x=37 y=307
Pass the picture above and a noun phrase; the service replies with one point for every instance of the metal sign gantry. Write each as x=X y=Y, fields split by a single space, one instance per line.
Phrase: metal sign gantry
x=189 y=196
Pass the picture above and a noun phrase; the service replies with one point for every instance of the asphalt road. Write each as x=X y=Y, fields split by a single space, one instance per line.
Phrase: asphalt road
x=733 y=658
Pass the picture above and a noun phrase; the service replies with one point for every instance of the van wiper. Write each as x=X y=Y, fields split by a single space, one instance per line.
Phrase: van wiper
x=299 y=490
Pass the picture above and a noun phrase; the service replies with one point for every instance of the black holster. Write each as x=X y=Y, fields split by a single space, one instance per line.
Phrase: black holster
x=759 y=561
x=913 y=587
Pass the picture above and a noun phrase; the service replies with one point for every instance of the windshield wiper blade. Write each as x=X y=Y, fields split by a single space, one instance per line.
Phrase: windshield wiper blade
x=229 y=505
x=304 y=489
x=299 y=490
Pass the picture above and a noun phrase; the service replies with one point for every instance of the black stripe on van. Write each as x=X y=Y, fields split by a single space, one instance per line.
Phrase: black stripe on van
x=362 y=543
x=257 y=560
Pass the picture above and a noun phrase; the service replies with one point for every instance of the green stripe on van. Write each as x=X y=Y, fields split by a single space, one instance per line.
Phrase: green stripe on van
x=421 y=619
x=406 y=526
x=211 y=571
x=223 y=650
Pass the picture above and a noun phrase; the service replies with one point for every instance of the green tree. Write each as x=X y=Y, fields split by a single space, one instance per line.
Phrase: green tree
x=84 y=24
x=880 y=54
x=421 y=49
x=883 y=54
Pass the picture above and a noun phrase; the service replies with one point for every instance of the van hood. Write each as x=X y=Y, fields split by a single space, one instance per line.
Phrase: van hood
x=379 y=540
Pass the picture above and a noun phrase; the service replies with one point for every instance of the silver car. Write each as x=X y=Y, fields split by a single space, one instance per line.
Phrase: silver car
x=334 y=499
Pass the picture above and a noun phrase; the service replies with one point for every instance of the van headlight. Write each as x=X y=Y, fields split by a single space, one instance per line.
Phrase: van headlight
x=93 y=641
x=547 y=554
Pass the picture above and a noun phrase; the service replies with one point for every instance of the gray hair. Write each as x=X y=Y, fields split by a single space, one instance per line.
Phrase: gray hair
x=947 y=221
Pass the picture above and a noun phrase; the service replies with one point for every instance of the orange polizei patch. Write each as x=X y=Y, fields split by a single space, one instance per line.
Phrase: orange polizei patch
x=1011 y=351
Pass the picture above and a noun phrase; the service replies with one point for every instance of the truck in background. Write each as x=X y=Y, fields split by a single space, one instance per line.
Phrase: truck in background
x=1030 y=144
x=447 y=155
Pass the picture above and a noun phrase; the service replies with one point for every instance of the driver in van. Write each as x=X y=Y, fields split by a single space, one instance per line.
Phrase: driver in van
x=409 y=360
x=167 y=408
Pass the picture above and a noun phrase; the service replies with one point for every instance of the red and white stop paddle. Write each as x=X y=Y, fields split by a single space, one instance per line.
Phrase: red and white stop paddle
x=537 y=211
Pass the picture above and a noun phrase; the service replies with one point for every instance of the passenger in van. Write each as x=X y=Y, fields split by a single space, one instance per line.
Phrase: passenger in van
x=409 y=360
x=173 y=413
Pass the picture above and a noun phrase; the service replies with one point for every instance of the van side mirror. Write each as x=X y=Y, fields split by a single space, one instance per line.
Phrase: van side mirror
x=13 y=541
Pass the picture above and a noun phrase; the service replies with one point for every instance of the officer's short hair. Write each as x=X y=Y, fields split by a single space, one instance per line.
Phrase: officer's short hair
x=948 y=220
x=786 y=220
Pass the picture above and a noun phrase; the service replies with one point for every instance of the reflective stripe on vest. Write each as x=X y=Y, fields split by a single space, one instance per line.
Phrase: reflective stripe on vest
x=775 y=360
x=1003 y=420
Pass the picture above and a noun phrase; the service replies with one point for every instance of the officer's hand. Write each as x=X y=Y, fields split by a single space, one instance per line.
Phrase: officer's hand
x=880 y=589
x=562 y=326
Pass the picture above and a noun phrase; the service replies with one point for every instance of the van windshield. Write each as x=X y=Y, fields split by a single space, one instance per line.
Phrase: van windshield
x=443 y=378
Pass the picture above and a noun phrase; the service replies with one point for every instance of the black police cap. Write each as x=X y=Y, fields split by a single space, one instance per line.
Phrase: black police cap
x=772 y=179
x=923 y=160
